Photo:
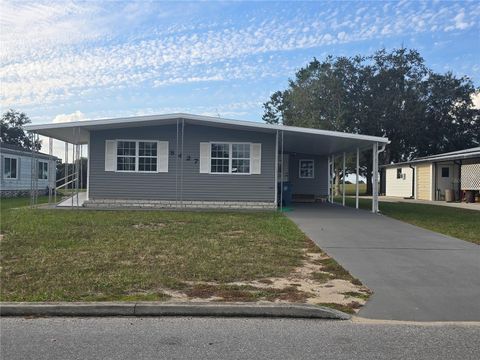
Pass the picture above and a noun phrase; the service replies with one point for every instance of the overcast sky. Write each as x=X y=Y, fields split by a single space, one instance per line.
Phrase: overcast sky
x=62 y=61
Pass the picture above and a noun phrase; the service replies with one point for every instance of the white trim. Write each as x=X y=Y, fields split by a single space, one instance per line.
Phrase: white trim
x=17 y=162
x=230 y=158
x=137 y=156
x=300 y=169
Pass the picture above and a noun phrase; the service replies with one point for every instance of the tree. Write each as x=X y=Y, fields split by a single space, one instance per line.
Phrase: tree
x=386 y=94
x=11 y=130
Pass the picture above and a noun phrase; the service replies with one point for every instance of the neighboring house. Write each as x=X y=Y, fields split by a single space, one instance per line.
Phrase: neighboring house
x=427 y=178
x=17 y=170
x=183 y=160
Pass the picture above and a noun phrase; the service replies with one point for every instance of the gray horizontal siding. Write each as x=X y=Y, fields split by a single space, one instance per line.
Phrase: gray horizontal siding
x=317 y=186
x=170 y=186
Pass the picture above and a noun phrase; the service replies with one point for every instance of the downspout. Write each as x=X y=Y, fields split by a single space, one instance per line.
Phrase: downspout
x=413 y=181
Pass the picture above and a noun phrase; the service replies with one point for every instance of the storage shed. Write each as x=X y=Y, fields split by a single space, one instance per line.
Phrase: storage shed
x=428 y=178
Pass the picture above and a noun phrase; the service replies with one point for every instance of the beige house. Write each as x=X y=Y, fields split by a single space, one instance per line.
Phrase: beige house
x=428 y=178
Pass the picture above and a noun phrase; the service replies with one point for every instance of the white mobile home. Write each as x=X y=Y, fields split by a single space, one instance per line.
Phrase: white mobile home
x=21 y=167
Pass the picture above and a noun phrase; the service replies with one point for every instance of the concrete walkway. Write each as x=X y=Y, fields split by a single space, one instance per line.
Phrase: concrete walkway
x=458 y=205
x=72 y=200
x=415 y=274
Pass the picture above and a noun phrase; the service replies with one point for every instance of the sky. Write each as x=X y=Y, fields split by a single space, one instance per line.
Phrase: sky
x=68 y=60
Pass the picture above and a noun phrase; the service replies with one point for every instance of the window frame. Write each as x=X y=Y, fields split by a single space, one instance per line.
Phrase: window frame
x=300 y=168
x=401 y=174
x=16 y=167
x=136 y=157
x=230 y=157
x=46 y=173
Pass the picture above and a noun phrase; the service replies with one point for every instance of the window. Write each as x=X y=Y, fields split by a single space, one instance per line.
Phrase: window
x=241 y=158
x=306 y=169
x=126 y=155
x=10 y=168
x=220 y=158
x=445 y=172
x=399 y=173
x=147 y=156
x=138 y=156
x=230 y=158
x=43 y=170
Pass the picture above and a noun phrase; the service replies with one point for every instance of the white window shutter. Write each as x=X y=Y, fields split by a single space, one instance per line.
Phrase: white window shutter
x=256 y=159
x=204 y=158
x=110 y=155
x=162 y=156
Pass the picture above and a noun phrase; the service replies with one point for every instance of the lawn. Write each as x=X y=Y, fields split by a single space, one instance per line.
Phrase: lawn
x=460 y=223
x=350 y=189
x=11 y=203
x=74 y=255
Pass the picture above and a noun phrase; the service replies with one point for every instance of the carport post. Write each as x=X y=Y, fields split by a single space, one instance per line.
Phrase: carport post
x=356 y=175
x=329 y=184
x=375 y=178
x=343 y=180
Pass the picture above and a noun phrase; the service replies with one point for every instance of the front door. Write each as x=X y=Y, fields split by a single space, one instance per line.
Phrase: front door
x=444 y=179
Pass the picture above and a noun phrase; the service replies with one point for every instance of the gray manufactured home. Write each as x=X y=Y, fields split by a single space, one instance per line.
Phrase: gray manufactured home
x=19 y=169
x=191 y=161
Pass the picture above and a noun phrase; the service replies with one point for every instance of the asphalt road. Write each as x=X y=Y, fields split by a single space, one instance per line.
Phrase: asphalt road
x=415 y=274
x=232 y=338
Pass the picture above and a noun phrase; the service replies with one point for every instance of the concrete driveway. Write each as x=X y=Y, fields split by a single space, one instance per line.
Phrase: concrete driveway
x=415 y=274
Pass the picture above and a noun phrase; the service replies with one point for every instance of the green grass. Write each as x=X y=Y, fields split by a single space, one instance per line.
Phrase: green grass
x=460 y=223
x=351 y=188
x=53 y=255
x=10 y=203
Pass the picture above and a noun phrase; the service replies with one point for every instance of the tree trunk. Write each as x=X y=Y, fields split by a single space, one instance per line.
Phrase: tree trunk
x=368 y=180
x=337 y=182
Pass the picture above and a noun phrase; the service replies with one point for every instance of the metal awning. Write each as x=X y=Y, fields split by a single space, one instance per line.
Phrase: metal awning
x=297 y=139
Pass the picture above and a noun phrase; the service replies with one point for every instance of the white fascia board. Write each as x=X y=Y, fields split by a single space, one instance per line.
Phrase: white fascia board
x=200 y=118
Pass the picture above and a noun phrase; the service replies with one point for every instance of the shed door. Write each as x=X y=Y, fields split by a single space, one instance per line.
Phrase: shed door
x=444 y=179
x=424 y=189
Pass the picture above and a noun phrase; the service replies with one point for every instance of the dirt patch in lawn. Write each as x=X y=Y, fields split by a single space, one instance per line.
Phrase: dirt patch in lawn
x=320 y=280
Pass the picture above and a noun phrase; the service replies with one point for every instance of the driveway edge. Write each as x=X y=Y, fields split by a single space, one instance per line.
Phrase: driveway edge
x=75 y=309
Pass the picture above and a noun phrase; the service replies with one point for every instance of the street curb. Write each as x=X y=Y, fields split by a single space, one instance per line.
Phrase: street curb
x=169 y=309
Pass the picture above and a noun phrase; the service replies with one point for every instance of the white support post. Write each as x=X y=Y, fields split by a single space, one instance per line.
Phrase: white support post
x=343 y=180
x=50 y=170
x=375 y=178
x=281 y=177
x=356 y=175
x=275 y=201
x=332 y=187
x=73 y=170
x=328 y=179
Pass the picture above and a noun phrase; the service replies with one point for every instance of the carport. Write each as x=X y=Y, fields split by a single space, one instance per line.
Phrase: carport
x=302 y=143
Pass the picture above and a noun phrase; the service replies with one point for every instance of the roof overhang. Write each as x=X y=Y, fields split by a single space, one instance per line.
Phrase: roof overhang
x=296 y=139
x=451 y=156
